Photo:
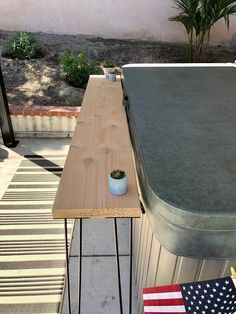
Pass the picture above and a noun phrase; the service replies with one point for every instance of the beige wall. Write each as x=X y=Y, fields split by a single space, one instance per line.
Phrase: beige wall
x=146 y=19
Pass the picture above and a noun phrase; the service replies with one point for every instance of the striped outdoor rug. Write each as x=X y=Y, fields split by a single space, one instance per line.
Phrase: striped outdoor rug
x=32 y=251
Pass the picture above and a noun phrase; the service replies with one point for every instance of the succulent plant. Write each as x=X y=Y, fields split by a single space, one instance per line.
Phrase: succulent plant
x=108 y=63
x=118 y=174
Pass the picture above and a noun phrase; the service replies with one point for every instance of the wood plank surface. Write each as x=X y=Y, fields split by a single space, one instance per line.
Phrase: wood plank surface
x=100 y=143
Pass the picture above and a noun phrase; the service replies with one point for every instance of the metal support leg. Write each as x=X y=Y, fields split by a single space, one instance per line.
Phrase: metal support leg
x=80 y=263
x=67 y=265
x=118 y=265
x=5 y=118
x=130 y=262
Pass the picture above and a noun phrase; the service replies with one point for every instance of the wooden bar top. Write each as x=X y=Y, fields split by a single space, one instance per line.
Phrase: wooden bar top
x=101 y=143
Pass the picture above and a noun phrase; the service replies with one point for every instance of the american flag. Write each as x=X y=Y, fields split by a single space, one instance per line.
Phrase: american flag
x=206 y=297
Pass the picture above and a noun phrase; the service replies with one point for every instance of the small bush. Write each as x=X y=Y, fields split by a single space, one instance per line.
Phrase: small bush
x=77 y=68
x=22 y=46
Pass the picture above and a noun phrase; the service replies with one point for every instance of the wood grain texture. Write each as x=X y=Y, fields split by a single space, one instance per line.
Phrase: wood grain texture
x=100 y=143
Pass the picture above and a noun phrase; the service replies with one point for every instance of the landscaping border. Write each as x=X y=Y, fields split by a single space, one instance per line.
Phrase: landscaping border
x=43 y=121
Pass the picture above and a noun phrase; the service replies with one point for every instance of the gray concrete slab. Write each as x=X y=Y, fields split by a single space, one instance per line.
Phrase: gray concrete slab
x=99 y=272
x=43 y=146
x=9 y=161
x=98 y=237
x=100 y=286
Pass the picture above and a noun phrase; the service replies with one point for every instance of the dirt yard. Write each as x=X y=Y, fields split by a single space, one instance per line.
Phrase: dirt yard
x=40 y=81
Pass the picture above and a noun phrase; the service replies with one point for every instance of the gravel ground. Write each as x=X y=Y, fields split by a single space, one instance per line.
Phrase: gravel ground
x=40 y=81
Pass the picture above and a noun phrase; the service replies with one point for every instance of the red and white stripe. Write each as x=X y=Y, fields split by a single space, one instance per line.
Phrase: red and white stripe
x=234 y=281
x=165 y=299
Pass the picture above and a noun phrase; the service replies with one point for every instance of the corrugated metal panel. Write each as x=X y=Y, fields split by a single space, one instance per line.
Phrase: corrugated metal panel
x=154 y=265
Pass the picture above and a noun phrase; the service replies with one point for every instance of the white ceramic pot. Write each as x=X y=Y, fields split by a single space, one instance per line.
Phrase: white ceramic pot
x=112 y=76
x=107 y=70
x=118 y=186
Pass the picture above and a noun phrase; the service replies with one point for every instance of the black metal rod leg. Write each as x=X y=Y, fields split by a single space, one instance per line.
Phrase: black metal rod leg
x=80 y=264
x=130 y=262
x=118 y=265
x=67 y=265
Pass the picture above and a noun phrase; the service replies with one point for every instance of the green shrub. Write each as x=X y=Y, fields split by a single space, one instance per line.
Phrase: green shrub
x=22 y=46
x=77 y=68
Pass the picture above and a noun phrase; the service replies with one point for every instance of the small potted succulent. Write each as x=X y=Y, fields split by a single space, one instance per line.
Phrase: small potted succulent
x=108 y=66
x=112 y=75
x=118 y=182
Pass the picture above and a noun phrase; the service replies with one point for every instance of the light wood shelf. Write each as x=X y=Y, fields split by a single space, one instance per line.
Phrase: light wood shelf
x=101 y=143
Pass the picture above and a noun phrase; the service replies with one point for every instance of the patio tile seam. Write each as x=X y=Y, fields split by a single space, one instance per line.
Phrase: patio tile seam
x=100 y=255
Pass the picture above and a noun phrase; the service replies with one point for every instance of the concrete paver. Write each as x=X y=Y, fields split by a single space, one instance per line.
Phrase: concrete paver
x=9 y=162
x=98 y=236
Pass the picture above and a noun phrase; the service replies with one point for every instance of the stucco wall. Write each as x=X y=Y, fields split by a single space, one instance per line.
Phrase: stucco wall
x=146 y=19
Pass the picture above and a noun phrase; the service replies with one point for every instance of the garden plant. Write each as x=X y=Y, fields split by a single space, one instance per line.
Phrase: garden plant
x=77 y=68
x=198 y=17
x=118 y=174
x=22 y=46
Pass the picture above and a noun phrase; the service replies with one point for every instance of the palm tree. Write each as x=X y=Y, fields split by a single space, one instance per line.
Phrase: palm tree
x=198 y=17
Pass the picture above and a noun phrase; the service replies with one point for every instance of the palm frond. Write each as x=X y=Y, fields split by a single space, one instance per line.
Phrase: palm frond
x=184 y=20
x=198 y=16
